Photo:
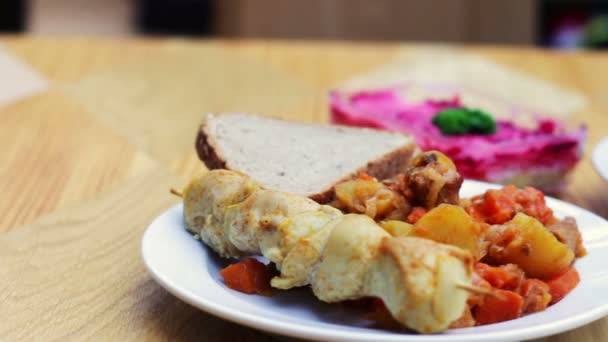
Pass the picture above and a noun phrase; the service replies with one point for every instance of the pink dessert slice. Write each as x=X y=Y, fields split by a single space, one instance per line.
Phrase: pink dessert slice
x=539 y=157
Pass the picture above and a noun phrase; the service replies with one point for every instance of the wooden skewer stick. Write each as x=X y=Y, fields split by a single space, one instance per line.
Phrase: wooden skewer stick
x=176 y=193
x=480 y=290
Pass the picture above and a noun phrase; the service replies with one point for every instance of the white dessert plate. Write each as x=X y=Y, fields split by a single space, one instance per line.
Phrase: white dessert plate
x=600 y=157
x=190 y=271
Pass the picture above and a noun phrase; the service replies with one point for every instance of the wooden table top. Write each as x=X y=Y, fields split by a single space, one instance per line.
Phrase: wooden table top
x=81 y=179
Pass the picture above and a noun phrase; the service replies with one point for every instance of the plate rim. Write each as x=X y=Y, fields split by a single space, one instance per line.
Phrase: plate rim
x=296 y=330
x=596 y=157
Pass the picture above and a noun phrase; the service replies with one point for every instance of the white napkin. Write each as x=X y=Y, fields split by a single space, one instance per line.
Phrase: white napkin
x=17 y=79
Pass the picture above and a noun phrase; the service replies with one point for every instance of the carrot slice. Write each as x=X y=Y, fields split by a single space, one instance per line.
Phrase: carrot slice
x=506 y=306
x=561 y=285
x=248 y=276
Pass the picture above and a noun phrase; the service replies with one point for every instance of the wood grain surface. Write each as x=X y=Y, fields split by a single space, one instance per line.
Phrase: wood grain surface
x=86 y=166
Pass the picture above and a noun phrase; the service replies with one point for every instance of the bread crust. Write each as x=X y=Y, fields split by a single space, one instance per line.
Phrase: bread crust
x=387 y=166
x=207 y=150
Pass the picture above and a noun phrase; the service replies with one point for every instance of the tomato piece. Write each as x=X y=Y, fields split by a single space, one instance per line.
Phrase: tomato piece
x=498 y=206
x=562 y=284
x=505 y=306
x=248 y=276
x=532 y=202
x=365 y=176
x=505 y=277
x=415 y=215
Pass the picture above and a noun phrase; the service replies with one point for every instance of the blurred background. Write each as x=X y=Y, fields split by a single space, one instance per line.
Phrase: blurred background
x=553 y=23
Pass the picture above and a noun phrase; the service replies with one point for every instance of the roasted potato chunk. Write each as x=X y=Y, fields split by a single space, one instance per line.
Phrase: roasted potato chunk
x=397 y=228
x=451 y=225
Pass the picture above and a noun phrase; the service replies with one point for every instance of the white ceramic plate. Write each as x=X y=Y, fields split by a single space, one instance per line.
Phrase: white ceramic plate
x=600 y=157
x=189 y=270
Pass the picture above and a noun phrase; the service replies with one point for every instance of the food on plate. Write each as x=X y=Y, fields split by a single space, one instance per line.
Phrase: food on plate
x=517 y=293
x=319 y=155
x=248 y=276
x=501 y=205
x=536 y=295
x=505 y=306
x=539 y=156
x=448 y=223
x=397 y=228
x=432 y=179
x=427 y=259
x=526 y=242
x=561 y=284
x=511 y=228
x=429 y=180
x=566 y=231
x=422 y=283
x=498 y=206
x=370 y=197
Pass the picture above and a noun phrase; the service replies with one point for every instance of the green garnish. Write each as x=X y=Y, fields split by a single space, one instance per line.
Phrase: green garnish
x=457 y=121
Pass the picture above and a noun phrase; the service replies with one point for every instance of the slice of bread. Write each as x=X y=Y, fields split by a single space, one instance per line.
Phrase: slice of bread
x=305 y=159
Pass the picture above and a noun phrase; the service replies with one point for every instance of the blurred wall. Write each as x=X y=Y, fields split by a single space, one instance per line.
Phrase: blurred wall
x=105 y=17
x=499 y=21
x=495 y=21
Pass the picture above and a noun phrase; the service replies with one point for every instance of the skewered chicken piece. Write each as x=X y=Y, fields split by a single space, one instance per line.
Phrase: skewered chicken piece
x=422 y=283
